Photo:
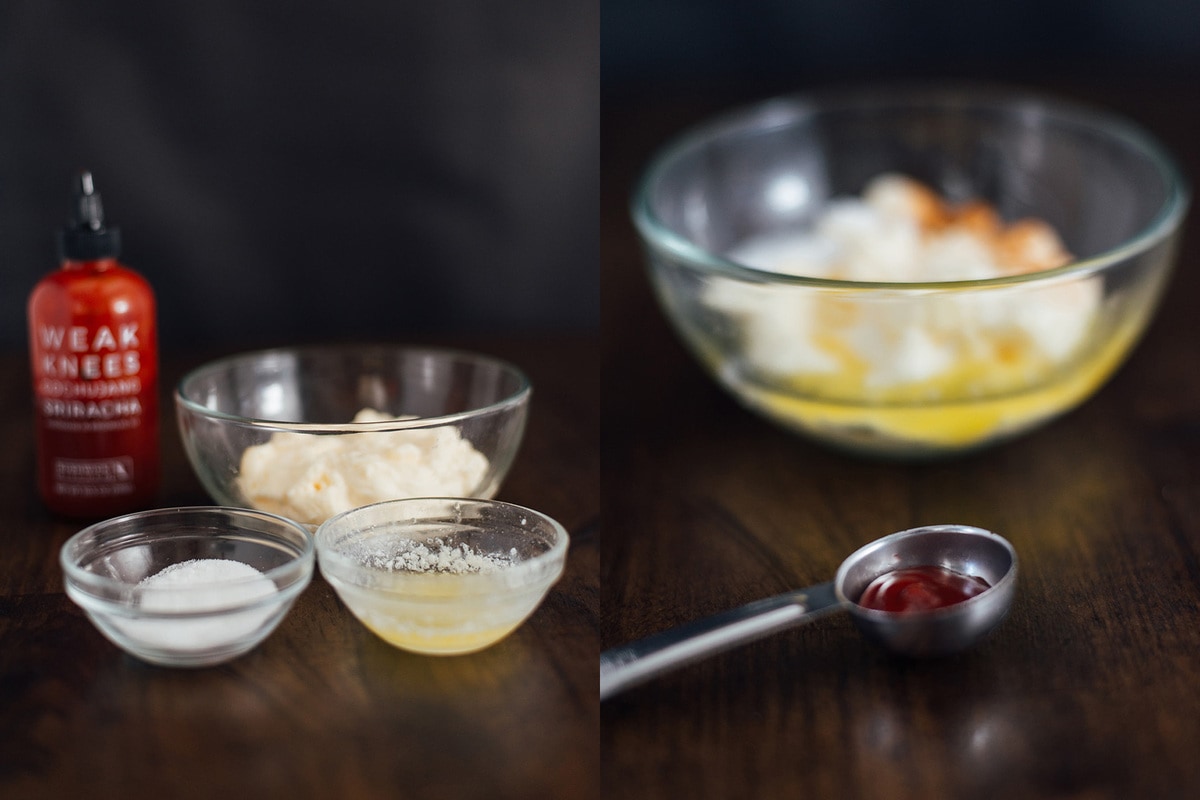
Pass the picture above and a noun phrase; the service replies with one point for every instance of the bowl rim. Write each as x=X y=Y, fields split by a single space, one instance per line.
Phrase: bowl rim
x=515 y=399
x=782 y=110
x=517 y=576
x=98 y=587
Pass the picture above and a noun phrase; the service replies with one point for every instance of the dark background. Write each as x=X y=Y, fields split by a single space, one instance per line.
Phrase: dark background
x=286 y=171
x=667 y=64
x=663 y=45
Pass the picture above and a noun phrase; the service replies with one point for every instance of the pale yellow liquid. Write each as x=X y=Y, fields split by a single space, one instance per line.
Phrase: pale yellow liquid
x=436 y=616
x=979 y=401
x=438 y=643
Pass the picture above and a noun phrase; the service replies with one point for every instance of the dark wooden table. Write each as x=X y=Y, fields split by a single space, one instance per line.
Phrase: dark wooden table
x=323 y=708
x=1091 y=687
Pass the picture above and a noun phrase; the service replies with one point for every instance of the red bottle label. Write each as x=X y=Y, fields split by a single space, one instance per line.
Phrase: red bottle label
x=89 y=379
x=90 y=383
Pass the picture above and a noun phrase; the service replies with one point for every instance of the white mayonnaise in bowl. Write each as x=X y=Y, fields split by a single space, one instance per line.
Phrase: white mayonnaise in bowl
x=311 y=432
x=188 y=587
x=911 y=274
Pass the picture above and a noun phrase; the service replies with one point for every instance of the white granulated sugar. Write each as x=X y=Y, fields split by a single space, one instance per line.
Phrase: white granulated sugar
x=199 y=585
x=194 y=575
x=437 y=556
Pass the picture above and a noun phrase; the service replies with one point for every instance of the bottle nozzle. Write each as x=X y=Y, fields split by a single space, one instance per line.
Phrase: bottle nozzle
x=89 y=209
x=86 y=238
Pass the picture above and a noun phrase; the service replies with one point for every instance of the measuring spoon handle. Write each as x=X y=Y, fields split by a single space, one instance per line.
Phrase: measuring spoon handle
x=637 y=662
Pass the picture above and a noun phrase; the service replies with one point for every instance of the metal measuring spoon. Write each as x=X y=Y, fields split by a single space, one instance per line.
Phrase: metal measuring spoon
x=961 y=548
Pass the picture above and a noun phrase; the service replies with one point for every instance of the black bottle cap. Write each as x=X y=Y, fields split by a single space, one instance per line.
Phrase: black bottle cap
x=86 y=238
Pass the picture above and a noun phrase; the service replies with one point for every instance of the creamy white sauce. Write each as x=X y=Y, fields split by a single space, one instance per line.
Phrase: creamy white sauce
x=309 y=478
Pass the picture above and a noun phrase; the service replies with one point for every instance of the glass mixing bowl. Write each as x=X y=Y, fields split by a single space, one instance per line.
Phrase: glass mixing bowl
x=310 y=432
x=902 y=369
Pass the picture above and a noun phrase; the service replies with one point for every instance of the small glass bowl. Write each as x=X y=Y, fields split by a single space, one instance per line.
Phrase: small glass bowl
x=198 y=622
x=275 y=429
x=899 y=369
x=410 y=570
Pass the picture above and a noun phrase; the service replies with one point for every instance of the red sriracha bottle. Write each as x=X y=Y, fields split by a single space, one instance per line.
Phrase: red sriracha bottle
x=93 y=344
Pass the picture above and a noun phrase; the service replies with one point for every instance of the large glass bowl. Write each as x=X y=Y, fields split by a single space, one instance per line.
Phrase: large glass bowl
x=789 y=347
x=275 y=430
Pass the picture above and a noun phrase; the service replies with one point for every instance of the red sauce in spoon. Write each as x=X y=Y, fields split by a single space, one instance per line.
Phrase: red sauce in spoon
x=920 y=589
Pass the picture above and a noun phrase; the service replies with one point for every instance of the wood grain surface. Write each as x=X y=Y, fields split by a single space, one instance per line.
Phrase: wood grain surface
x=1090 y=688
x=323 y=708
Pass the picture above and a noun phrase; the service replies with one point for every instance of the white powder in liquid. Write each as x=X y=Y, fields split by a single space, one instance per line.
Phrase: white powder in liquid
x=208 y=584
x=437 y=556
